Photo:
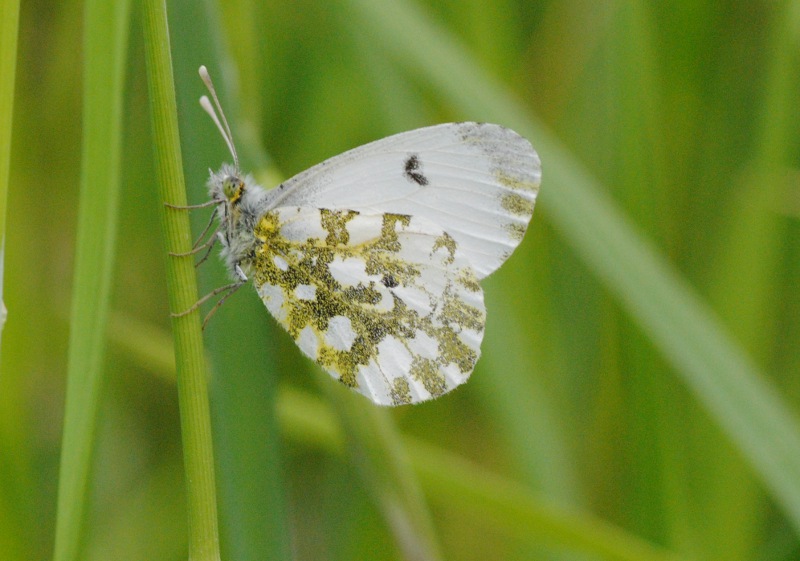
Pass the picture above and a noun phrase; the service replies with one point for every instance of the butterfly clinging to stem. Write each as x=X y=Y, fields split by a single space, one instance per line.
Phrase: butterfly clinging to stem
x=372 y=259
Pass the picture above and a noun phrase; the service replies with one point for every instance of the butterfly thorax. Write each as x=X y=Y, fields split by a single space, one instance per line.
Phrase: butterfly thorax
x=241 y=204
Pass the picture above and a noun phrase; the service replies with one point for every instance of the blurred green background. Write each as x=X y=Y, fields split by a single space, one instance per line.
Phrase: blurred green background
x=640 y=366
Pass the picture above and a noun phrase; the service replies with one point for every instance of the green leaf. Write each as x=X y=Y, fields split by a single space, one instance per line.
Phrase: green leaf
x=105 y=49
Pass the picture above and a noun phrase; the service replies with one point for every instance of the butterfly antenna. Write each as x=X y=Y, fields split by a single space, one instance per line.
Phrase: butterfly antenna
x=206 y=104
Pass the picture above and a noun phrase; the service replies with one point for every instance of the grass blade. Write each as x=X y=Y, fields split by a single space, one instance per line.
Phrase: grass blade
x=378 y=453
x=9 y=21
x=105 y=45
x=182 y=287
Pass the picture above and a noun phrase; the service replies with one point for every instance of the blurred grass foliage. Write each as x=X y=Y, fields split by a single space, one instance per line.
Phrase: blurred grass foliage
x=105 y=45
x=621 y=410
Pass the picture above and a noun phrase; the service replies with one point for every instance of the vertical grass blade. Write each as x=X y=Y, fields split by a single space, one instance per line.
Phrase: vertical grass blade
x=105 y=44
x=182 y=286
x=9 y=21
x=681 y=325
x=378 y=453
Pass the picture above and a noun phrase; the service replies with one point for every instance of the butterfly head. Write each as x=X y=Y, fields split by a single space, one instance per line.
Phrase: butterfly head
x=233 y=187
x=240 y=201
x=226 y=186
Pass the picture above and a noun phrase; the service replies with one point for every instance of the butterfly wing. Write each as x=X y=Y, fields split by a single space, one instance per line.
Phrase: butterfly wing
x=386 y=303
x=477 y=182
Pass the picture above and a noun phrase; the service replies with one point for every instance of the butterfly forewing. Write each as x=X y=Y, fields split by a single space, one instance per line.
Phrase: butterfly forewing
x=387 y=303
x=477 y=182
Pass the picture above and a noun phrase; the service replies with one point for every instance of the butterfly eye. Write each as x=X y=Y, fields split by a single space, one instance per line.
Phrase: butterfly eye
x=233 y=187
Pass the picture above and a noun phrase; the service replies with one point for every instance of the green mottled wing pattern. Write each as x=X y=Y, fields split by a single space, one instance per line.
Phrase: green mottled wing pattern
x=387 y=303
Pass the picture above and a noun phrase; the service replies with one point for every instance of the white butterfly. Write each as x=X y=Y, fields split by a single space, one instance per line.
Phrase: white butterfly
x=371 y=259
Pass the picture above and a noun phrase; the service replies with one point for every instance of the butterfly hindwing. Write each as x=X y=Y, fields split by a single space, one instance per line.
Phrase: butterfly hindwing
x=385 y=302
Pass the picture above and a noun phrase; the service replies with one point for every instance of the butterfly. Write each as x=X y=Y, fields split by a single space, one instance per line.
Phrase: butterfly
x=372 y=259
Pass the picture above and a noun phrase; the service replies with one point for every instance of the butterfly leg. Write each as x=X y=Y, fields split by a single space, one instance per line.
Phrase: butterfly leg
x=197 y=247
x=207 y=245
x=210 y=246
x=206 y=204
x=231 y=288
x=205 y=231
x=228 y=289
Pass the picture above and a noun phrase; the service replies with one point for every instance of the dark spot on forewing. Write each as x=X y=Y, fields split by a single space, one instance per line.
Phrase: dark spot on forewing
x=412 y=170
x=389 y=281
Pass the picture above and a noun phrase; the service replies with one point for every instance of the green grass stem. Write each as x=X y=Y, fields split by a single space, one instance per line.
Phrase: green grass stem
x=182 y=287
